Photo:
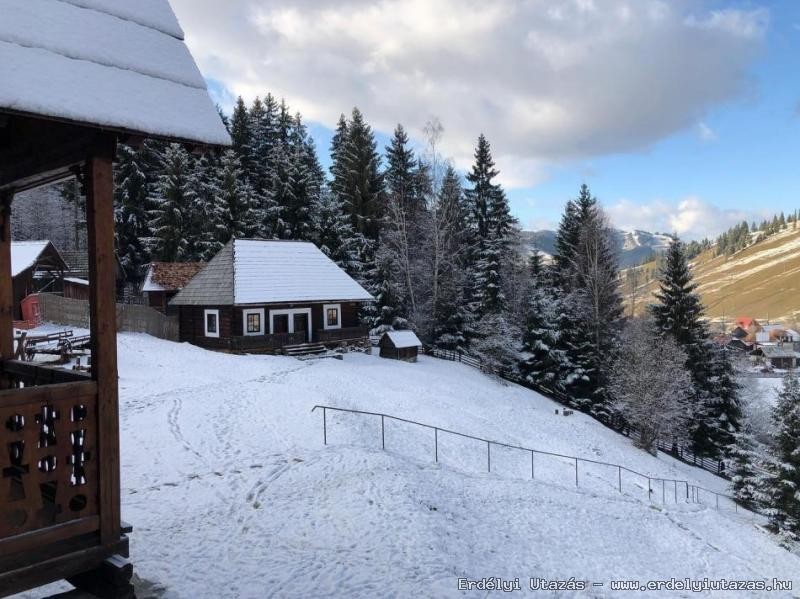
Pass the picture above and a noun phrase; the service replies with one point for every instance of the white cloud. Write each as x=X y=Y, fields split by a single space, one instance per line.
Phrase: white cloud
x=690 y=217
x=545 y=80
x=706 y=133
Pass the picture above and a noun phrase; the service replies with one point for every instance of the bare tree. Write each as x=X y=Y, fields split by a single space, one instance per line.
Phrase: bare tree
x=650 y=385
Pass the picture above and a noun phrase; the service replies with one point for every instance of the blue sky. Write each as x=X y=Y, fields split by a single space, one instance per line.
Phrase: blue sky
x=682 y=116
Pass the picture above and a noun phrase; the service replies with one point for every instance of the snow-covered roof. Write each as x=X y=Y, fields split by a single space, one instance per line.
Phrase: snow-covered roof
x=76 y=280
x=255 y=271
x=112 y=64
x=24 y=254
x=402 y=339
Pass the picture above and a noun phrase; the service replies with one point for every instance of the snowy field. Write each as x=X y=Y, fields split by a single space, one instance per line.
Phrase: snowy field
x=232 y=494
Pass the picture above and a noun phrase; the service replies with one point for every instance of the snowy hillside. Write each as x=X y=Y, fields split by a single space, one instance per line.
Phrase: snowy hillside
x=632 y=246
x=232 y=494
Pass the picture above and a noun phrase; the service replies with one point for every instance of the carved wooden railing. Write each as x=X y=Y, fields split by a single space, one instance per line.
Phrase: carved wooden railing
x=48 y=467
x=343 y=334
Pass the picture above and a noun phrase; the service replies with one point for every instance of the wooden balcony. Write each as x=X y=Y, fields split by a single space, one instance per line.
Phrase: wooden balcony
x=49 y=468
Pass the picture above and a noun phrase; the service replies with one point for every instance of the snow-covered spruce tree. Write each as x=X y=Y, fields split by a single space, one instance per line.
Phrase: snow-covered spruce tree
x=168 y=217
x=235 y=205
x=242 y=135
x=358 y=185
x=131 y=195
x=543 y=362
x=650 y=384
x=334 y=235
x=204 y=220
x=492 y=227
x=388 y=314
x=679 y=313
x=451 y=318
x=782 y=486
x=357 y=176
x=402 y=233
x=585 y=273
x=742 y=459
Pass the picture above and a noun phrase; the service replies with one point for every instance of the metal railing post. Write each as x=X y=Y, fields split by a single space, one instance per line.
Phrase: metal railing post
x=649 y=489
x=436 y=444
x=324 y=426
x=383 y=434
x=619 y=472
x=576 y=472
x=533 y=472
x=676 y=491
x=489 y=455
x=663 y=491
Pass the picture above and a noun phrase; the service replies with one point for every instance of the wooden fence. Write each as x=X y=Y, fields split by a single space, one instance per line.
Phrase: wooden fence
x=130 y=317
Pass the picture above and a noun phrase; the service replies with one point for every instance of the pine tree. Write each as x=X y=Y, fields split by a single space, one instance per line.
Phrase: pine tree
x=491 y=225
x=334 y=235
x=783 y=497
x=451 y=318
x=235 y=203
x=357 y=178
x=679 y=313
x=242 y=135
x=131 y=195
x=585 y=273
x=741 y=463
x=543 y=363
x=169 y=215
x=203 y=217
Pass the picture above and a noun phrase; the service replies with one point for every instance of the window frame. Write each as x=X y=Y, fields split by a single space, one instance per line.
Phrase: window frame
x=206 y=313
x=250 y=311
x=325 y=324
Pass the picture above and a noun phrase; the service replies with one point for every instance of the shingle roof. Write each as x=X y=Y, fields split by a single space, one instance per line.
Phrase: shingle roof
x=255 y=271
x=170 y=276
x=112 y=64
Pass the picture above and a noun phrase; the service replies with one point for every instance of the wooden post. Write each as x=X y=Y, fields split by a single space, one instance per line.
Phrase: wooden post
x=103 y=314
x=6 y=284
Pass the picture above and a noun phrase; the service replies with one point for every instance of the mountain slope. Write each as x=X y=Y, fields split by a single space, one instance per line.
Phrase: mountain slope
x=762 y=281
x=632 y=246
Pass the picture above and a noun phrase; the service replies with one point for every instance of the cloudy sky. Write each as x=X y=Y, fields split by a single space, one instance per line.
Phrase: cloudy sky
x=682 y=115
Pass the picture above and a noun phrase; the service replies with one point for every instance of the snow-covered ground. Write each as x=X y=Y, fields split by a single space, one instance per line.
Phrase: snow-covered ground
x=232 y=494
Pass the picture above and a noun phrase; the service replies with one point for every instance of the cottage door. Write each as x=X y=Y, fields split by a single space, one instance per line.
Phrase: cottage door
x=301 y=325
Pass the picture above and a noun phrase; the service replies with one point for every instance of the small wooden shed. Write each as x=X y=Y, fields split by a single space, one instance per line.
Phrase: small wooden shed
x=400 y=345
x=77 y=77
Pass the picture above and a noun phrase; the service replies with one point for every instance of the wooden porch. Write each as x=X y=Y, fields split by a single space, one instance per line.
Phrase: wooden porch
x=276 y=342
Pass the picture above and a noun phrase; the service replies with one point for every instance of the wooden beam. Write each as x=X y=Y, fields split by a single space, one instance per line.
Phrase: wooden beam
x=6 y=284
x=103 y=314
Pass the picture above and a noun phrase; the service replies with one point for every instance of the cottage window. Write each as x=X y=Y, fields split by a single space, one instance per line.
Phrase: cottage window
x=211 y=321
x=254 y=321
x=332 y=314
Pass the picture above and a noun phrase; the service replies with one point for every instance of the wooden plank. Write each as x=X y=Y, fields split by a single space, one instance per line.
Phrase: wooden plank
x=47 y=536
x=59 y=567
x=6 y=284
x=47 y=393
x=102 y=294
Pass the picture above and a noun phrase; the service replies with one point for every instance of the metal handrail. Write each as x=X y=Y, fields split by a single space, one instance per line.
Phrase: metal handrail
x=692 y=491
x=564 y=399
